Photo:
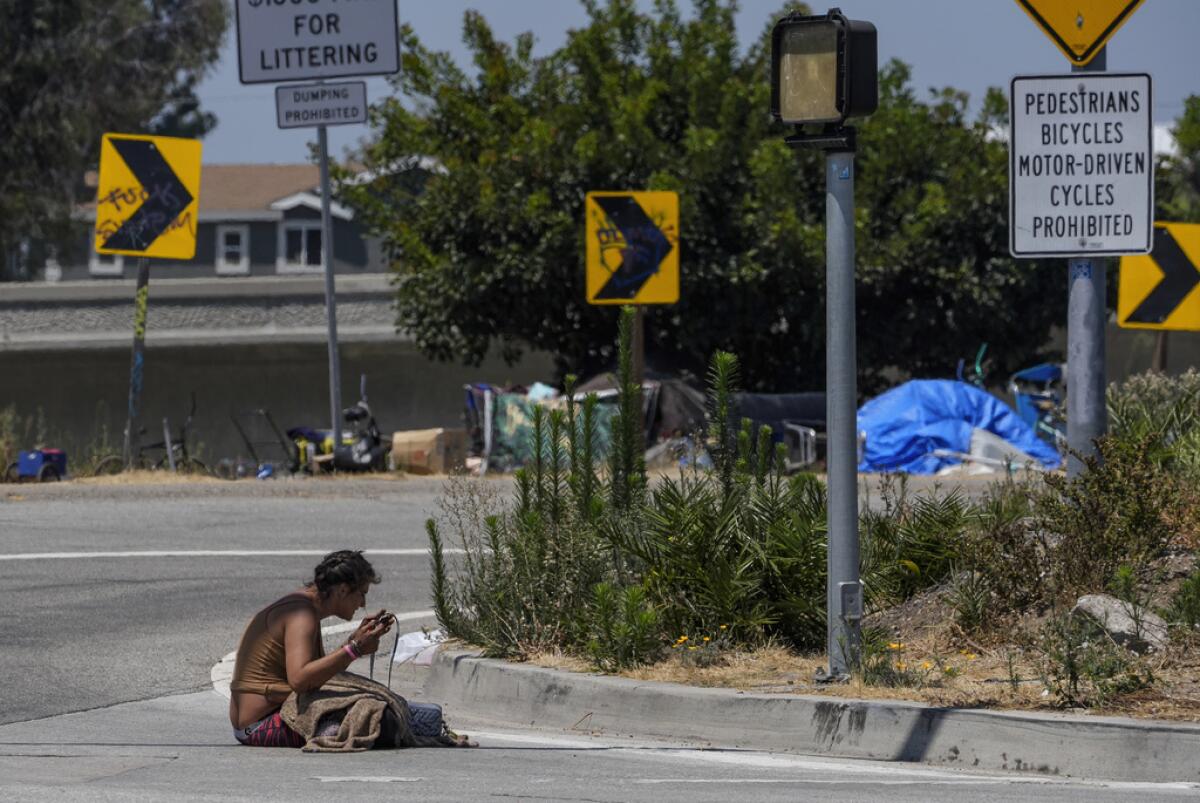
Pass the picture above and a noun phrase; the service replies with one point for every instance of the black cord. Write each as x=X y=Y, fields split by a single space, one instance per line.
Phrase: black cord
x=391 y=663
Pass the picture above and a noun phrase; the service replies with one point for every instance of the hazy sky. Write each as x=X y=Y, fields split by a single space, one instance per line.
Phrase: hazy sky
x=967 y=44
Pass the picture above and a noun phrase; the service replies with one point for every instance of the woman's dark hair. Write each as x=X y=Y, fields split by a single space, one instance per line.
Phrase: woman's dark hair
x=344 y=566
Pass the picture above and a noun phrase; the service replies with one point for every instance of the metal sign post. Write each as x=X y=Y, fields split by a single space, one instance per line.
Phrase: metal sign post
x=632 y=257
x=1081 y=184
x=137 y=363
x=316 y=40
x=147 y=205
x=1087 y=414
x=327 y=256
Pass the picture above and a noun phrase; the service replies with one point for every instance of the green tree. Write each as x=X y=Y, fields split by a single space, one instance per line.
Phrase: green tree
x=488 y=245
x=1177 y=187
x=74 y=69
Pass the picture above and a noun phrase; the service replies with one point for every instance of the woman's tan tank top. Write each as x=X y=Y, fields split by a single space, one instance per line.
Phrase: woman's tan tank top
x=260 y=667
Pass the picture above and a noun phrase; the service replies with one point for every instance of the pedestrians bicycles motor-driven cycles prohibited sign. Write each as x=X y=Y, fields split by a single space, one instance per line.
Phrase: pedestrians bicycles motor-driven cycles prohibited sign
x=1158 y=290
x=308 y=105
x=632 y=247
x=1080 y=27
x=148 y=197
x=1081 y=165
x=298 y=40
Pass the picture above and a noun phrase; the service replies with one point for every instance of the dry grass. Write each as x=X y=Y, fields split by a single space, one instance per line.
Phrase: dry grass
x=943 y=667
x=145 y=478
x=976 y=680
x=170 y=478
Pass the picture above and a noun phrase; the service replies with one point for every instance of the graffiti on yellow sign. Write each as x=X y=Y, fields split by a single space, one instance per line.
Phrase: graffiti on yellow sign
x=632 y=247
x=149 y=196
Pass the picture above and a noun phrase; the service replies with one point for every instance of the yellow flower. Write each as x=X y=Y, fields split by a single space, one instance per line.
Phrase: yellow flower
x=896 y=645
x=949 y=670
x=900 y=665
x=926 y=665
x=706 y=638
x=971 y=656
x=724 y=626
x=682 y=639
x=692 y=647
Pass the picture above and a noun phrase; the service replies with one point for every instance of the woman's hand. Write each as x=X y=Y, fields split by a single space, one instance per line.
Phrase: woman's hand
x=369 y=632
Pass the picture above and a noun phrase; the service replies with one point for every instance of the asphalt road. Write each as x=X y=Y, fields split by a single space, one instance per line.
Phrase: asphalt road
x=178 y=748
x=106 y=692
x=81 y=632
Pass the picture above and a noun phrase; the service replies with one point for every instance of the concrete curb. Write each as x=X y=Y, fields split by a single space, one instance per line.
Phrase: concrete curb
x=1109 y=748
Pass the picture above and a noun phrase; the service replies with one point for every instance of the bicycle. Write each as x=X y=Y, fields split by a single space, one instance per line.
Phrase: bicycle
x=157 y=456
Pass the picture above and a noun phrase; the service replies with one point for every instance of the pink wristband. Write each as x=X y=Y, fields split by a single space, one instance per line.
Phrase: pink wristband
x=346 y=648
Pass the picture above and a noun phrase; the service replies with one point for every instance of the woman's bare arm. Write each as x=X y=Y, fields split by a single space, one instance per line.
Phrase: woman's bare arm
x=305 y=671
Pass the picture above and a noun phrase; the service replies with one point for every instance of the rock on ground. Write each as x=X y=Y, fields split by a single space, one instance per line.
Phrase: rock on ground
x=1135 y=628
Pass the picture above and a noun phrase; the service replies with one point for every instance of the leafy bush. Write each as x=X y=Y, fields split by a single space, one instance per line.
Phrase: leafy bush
x=1005 y=554
x=970 y=597
x=1119 y=511
x=608 y=567
x=912 y=542
x=882 y=663
x=1164 y=413
x=1080 y=665
x=9 y=438
x=530 y=569
x=622 y=628
x=18 y=433
x=1185 y=604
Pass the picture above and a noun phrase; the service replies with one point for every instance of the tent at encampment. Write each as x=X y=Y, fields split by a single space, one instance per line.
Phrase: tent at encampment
x=927 y=425
x=671 y=405
x=500 y=421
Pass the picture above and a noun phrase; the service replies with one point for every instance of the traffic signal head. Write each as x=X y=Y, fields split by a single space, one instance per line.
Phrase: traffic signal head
x=823 y=68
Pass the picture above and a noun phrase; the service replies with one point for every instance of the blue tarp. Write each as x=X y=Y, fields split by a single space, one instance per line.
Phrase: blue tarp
x=905 y=425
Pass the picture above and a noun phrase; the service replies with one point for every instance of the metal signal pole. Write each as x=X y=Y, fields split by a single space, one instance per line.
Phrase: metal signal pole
x=844 y=591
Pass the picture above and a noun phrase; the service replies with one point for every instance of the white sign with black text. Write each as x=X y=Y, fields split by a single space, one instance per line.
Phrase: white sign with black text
x=297 y=40
x=308 y=105
x=1081 y=165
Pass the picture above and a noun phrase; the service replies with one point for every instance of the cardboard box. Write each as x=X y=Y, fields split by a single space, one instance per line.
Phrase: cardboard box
x=430 y=451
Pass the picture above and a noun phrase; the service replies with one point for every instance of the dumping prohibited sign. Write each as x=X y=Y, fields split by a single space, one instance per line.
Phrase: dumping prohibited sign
x=307 y=105
x=1081 y=165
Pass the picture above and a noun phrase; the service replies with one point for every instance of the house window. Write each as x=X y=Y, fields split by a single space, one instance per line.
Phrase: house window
x=233 y=250
x=300 y=247
x=104 y=264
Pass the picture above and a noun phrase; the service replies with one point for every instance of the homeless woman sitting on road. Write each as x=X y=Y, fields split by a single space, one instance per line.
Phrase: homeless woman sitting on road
x=286 y=692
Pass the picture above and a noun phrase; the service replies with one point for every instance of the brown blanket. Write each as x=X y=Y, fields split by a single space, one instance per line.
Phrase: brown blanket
x=362 y=703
